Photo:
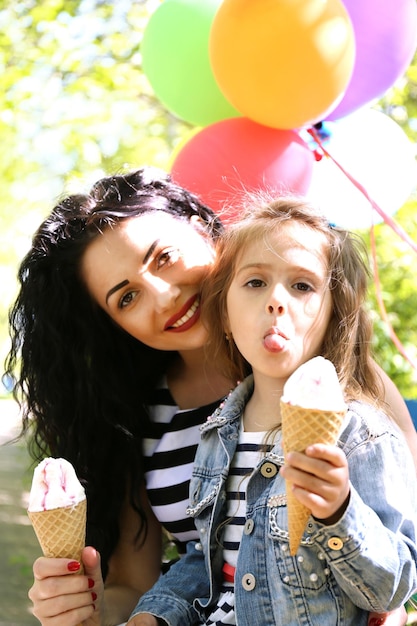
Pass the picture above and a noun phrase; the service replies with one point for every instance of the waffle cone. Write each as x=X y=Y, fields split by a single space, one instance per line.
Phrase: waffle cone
x=300 y=428
x=61 y=532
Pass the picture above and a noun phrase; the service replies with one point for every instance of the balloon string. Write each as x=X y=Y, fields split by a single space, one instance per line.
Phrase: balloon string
x=395 y=227
x=387 y=218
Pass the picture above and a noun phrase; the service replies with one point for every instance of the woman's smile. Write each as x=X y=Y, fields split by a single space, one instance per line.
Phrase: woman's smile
x=186 y=317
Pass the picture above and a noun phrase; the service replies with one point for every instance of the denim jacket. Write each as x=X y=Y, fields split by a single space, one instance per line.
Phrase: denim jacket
x=364 y=562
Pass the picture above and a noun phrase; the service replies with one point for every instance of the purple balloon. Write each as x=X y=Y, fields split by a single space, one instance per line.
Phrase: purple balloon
x=386 y=39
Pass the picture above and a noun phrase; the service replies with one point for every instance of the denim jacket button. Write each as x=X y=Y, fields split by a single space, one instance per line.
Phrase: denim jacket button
x=198 y=546
x=249 y=526
x=335 y=543
x=248 y=582
x=269 y=470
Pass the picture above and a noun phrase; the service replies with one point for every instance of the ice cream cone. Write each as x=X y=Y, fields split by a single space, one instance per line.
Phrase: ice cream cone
x=61 y=532
x=58 y=510
x=302 y=427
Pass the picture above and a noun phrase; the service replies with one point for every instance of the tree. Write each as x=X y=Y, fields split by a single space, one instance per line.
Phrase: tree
x=75 y=105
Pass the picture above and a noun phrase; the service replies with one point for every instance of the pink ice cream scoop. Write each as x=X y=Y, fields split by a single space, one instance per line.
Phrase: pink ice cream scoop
x=54 y=485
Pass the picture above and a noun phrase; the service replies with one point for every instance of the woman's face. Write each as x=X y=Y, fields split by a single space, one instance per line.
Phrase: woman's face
x=146 y=273
x=279 y=304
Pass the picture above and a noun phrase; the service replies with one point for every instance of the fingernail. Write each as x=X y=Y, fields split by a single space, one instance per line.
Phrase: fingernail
x=94 y=596
x=376 y=621
x=91 y=583
x=74 y=566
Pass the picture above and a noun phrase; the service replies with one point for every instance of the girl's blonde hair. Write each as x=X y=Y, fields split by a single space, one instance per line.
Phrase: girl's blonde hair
x=348 y=339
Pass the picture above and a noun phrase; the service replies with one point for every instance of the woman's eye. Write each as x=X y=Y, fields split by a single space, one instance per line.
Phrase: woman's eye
x=255 y=283
x=126 y=299
x=168 y=257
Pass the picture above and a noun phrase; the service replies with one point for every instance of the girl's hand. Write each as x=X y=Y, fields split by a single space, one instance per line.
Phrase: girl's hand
x=394 y=618
x=320 y=480
x=61 y=597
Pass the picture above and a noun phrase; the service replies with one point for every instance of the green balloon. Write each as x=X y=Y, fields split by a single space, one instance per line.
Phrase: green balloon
x=175 y=58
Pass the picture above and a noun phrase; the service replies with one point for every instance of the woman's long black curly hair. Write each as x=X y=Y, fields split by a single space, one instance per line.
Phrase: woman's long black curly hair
x=81 y=380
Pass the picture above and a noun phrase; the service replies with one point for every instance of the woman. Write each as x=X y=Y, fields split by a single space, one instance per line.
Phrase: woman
x=108 y=353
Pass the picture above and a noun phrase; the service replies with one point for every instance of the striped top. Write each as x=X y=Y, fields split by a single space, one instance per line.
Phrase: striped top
x=169 y=453
x=249 y=451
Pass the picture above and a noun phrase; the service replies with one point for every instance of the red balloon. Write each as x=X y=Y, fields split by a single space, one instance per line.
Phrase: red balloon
x=234 y=156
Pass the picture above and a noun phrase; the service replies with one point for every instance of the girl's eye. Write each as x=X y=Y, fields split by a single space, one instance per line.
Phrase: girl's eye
x=168 y=257
x=255 y=283
x=302 y=286
x=127 y=299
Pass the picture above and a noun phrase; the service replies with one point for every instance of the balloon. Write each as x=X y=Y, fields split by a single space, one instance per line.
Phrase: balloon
x=373 y=149
x=176 y=61
x=282 y=63
x=181 y=143
x=230 y=157
x=386 y=38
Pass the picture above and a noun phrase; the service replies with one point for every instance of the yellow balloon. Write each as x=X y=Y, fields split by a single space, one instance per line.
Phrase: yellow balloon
x=179 y=146
x=282 y=63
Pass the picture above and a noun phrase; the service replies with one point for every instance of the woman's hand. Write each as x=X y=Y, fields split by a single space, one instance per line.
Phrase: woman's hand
x=61 y=597
x=320 y=480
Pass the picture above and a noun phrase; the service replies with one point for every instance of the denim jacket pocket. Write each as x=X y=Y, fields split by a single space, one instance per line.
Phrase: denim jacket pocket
x=308 y=569
x=204 y=487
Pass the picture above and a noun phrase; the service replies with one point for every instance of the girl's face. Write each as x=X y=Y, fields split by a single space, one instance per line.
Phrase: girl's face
x=146 y=273
x=279 y=304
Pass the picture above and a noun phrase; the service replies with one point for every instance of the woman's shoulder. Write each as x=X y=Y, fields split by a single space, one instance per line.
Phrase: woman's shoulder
x=365 y=422
x=165 y=415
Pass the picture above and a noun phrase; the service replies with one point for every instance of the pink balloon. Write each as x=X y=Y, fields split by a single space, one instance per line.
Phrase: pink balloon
x=386 y=38
x=226 y=159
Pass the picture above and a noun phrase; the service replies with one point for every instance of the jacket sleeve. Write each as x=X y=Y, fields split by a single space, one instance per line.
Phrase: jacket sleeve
x=372 y=550
x=172 y=597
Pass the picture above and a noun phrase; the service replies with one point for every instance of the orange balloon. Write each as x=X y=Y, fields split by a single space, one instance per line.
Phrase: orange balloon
x=282 y=63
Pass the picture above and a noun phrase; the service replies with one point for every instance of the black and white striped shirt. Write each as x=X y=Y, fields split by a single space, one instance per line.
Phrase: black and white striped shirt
x=169 y=453
x=250 y=449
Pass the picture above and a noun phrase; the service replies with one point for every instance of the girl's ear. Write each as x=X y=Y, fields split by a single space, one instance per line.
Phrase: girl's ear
x=226 y=327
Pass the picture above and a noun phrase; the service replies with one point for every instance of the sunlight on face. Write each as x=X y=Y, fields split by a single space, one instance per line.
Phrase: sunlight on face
x=279 y=304
x=146 y=273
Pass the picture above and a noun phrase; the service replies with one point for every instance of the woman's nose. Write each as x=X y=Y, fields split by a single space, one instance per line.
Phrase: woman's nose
x=165 y=294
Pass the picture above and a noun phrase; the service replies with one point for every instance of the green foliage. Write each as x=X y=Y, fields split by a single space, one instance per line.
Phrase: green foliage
x=397 y=265
x=75 y=105
x=400 y=102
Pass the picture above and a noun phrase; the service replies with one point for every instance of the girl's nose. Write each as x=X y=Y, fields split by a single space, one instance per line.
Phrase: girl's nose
x=278 y=309
x=275 y=303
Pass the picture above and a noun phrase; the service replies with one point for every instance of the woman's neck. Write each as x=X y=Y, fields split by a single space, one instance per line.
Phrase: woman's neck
x=194 y=382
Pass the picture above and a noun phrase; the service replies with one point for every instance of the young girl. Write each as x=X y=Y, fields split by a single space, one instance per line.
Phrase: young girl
x=287 y=287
